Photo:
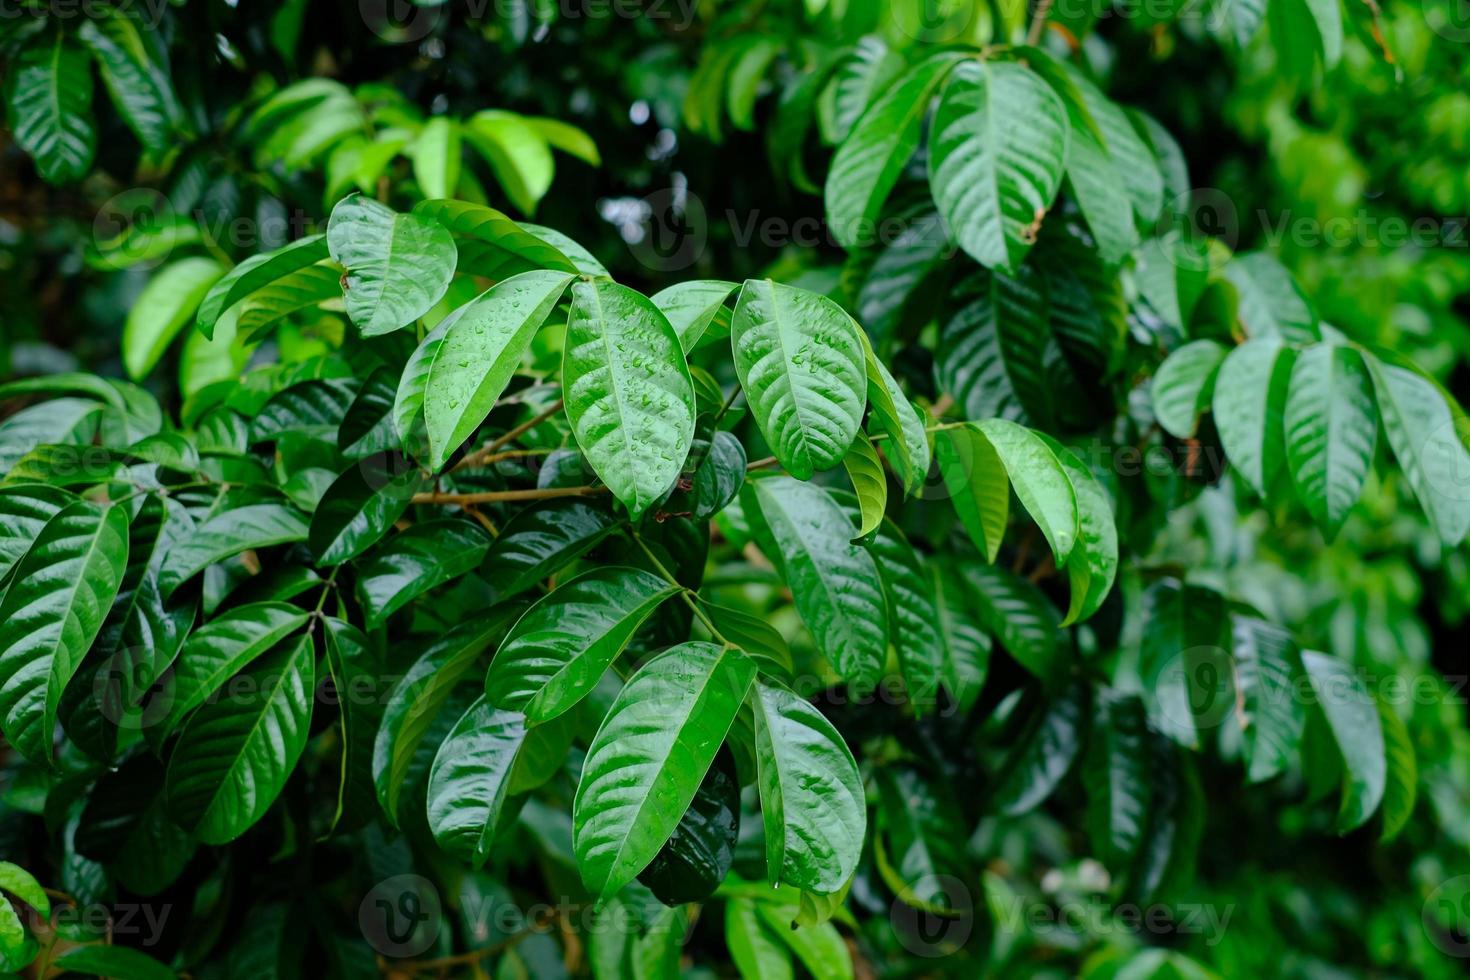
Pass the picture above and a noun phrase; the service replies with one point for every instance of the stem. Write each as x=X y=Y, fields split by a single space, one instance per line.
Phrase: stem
x=761 y=464
x=481 y=458
x=734 y=394
x=688 y=595
x=1038 y=22
x=497 y=496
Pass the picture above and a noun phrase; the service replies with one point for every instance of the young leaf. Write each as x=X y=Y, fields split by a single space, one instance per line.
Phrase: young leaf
x=1331 y=429
x=556 y=653
x=869 y=482
x=398 y=265
x=58 y=597
x=834 y=582
x=486 y=225
x=1401 y=789
x=649 y=757
x=629 y=396
x=480 y=352
x=517 y=152
x=1040 y=482
x=235 y=754
x=1183 y=385
x=801 y=363
x=436 y=157
x=812 y=801
x=162 y=309
x=870 y=159
x=254 y=274
x=994 y=180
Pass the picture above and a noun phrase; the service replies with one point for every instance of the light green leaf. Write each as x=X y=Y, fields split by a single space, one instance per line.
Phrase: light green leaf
x=692 y=306
x=1271 y=303
x=650 y=755
x=58 y=597
x=628 y=392
x=1040 y=482
x=1353 y=717
x=869 y=482
x=1183 y=386
x=1268 y=668
x=820 y=948
x=801 y=363
x=1249 y=403
x=480 y=352
x=834 y=582
x=486 y=225
x=1401 y=789
x=255 y=273
x=1094 y=563
x=517 y=152
x=436 y=157
x=978 y=487
x=398 y=265
x=994 y=180
x=907 y=448
x=756 y=952
x=1331 y=429
x=812 y=802
x=236 y=753
x=565 y=137
x=869 y=161
x=558 y=651
x=162 y=309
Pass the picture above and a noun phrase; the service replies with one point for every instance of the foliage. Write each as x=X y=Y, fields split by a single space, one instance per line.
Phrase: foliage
x=1028 y=547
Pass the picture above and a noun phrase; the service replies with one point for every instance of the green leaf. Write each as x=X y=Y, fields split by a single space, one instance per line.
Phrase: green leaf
x=217 y=651
x=1331 y=429
x=141 y=89
x=994 y=180
x=1044 y=752
x=1093 y=565
x=1133 y=161
x=415 y=561
x=1268 y=672
x=255 y=273
x=360 y=506
x=162 y=309
x=398 y=265
x=565 y=137
x=542 y=539
x=869 y=482
x=628 y=392
x=314 y=408
x=812 y=802
x=1401 y=788
x=1183 y=386
x=1116 y=774
x=24 y=510
x=473 y=774
x=482 y=224
x=834 y=582
x=698 y=855
x=1249 y=404
x=19 y=882
x=914 y=616
x=1271 y=303
x=649 y=757
x=907 y=448
x=1184 y=660
x=978 y=487
x=419 y=696
x=226 y=534
x=720 y=475
x=692 y=306
x=757 y=953
x=1040 y=481
x=48 y=106
x=1019 y=616
x=518 y=154
x=869 y=161
x=235 y=754
x=408 y=401
x=801 y=363
x=480 y=352
x=271 y=306
x=1422 y=431
x=1353 y=717
x=966 y=646
x=58 y=598
x=820 y=948
x=115 y=962
x=992 y=351
x=558 y=651
x=436 y=157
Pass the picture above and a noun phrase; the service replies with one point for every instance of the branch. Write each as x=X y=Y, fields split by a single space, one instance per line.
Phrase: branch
x=487 y=455
x=1038 y=22
x=498 y=496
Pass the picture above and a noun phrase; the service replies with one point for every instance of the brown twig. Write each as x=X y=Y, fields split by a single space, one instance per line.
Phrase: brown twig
x=1038 y=22
x=487 y=455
